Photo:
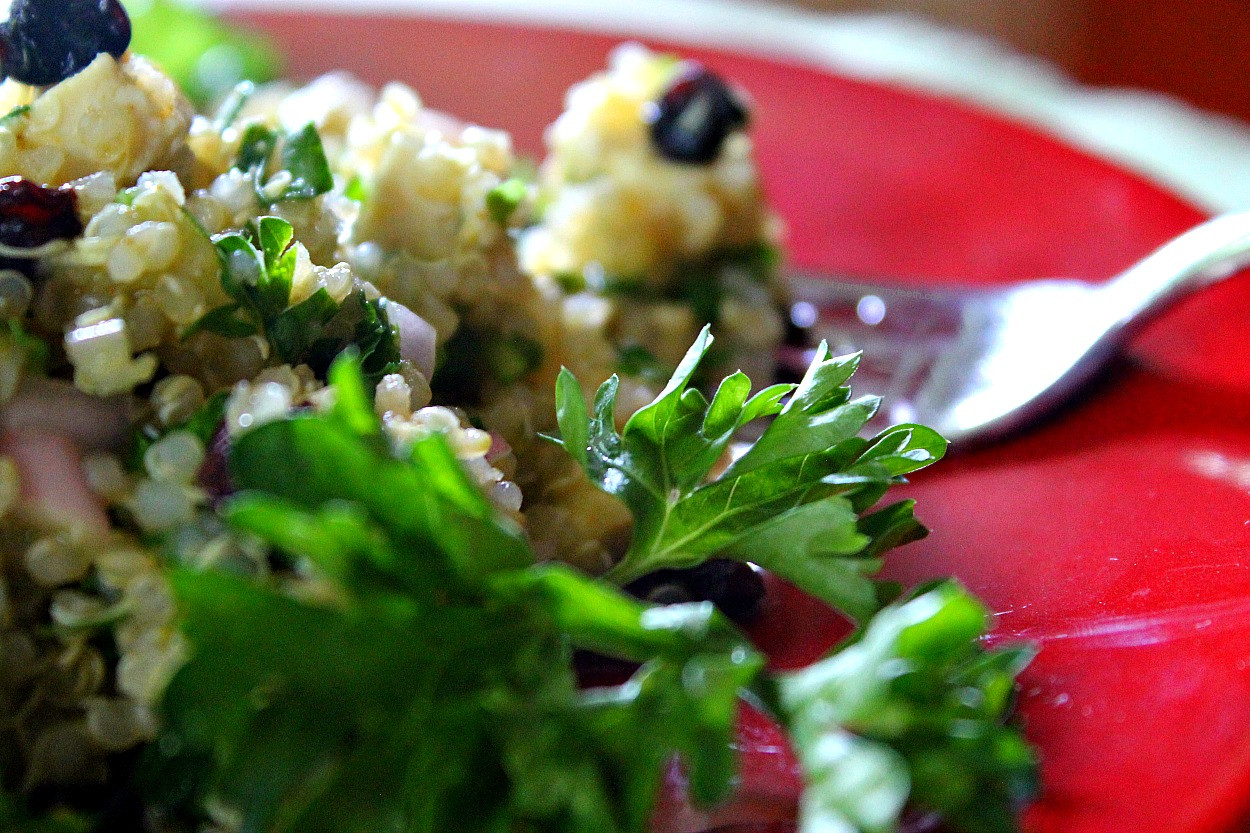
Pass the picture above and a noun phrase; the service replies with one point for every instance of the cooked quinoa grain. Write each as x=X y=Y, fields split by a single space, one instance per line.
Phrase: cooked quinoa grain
x=137 y=351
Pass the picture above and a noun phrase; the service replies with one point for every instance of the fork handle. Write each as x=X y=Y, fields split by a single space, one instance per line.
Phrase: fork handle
x=1202 y=256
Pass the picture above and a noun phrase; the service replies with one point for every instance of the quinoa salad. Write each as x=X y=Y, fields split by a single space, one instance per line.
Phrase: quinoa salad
x=357 y=475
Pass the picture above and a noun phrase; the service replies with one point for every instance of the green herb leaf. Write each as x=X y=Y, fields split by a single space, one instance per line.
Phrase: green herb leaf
x=427 y=499
x=356 y=189
x=257 y=272
x=37 y=353
x=203 y=424
x=808 y=467
x=302 y=156
x=276 y=240
x=502 y=200
x=913 y=711
x=256 y=147
x=445 y=661
x=305 y=158
x=436 y=692
x=297 y=329
x=376 y=339
x=242 y=268
x=225 y=321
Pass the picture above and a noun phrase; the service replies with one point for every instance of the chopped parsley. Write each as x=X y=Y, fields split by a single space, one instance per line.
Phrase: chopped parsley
x=257 y=271
x=302 y=160
x=912 y=712
x=202 y=424
x=502 y=200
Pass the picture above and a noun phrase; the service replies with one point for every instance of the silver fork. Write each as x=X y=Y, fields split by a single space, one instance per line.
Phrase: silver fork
x=979 y=363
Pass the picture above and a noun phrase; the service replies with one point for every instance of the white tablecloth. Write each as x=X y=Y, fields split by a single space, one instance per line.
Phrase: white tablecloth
x=1202 y=156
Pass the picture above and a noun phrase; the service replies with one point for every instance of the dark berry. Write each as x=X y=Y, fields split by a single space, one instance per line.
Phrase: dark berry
x=694 y=116
x=735 y=588
x=31 y=215
x=44 y=42
x=596 y=670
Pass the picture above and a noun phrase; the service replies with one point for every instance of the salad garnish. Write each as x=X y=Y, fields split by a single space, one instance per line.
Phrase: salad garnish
x=431 y=685
x=258 y=266
x=796 y=502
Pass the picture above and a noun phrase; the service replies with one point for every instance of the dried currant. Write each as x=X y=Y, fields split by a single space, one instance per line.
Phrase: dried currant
x=44 y=42
x=31 y=215
x=692 y=119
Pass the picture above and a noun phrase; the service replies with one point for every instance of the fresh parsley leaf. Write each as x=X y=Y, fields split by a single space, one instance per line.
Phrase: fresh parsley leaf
x=437 y=692
x=375 y=338
x=912 y=712
x=571 y=282
x=302 y=156
x=294 y=331
x=305 y=158
x=432 y=688
x=257 y=272
x=704 y=283
x=126 y=196
x=760 y=261
x=808 y=466
x=226 y=320
x=37 y=354
x=356 y=189
x=502 y=200
x=256 y=147
x=208 y=418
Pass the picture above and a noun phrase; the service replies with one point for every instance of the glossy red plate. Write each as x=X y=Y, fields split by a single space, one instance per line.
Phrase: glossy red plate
x=1117 y=536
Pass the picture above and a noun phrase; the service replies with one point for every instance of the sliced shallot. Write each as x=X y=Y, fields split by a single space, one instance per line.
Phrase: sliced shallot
x=416 y=337
x=53 y=483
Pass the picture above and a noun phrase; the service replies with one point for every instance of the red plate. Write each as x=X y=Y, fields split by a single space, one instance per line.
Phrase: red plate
x=1115 y=535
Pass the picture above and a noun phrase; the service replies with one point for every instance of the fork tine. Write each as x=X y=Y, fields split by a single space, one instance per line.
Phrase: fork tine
x=901 y=333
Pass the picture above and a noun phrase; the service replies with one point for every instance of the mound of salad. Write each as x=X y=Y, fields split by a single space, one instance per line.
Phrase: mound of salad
x=359 y=477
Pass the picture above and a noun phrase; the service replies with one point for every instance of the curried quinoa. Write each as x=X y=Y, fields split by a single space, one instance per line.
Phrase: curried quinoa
x=127 y=364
